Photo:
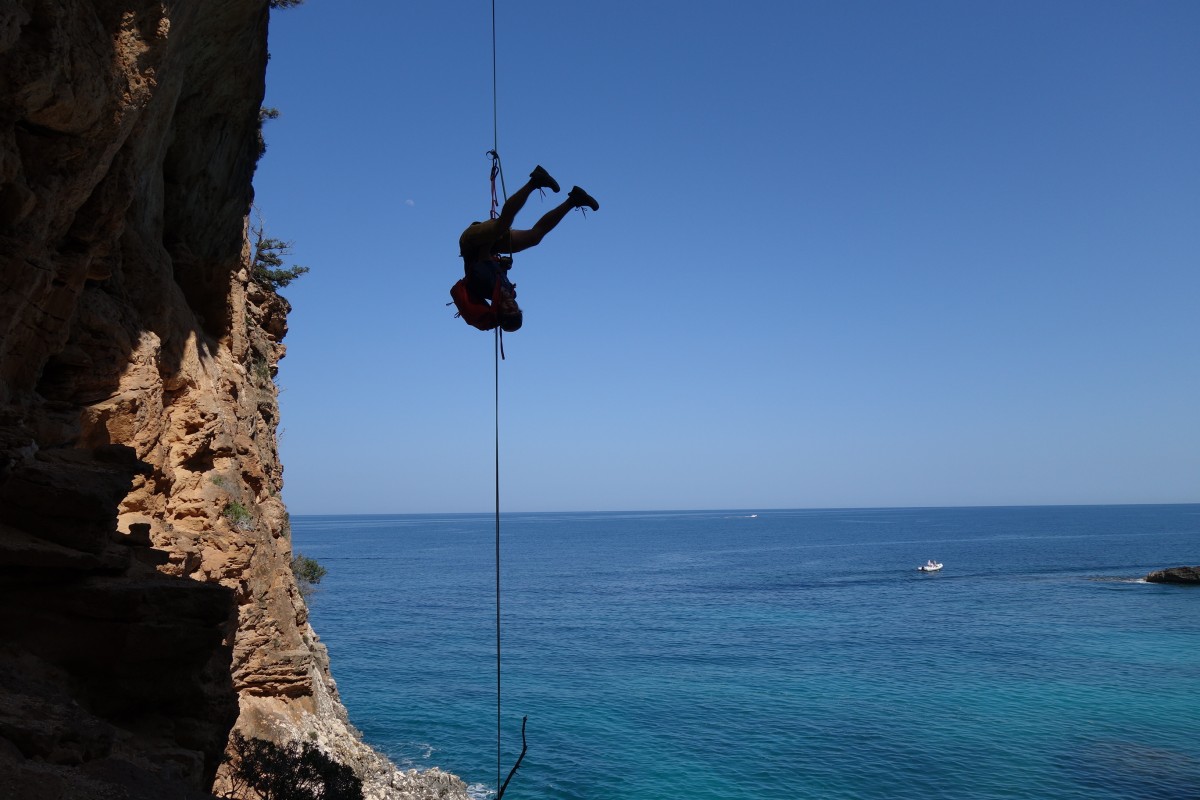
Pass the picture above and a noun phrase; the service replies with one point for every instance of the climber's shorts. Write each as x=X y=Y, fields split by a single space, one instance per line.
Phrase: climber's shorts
x=481 y=237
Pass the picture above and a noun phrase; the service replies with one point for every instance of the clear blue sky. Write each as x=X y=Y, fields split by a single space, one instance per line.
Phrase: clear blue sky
x=848 y=253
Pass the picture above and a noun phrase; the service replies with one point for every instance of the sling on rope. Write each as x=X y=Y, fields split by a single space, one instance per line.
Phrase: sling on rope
x=497 y=169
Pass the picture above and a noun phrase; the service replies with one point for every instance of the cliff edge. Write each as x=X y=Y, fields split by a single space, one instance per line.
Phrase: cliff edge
x=147 y=606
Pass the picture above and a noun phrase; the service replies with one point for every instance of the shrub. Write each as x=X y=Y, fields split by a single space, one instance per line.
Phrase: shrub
x=266 y=266
x=260 y=368
x=268 y=262
x=295 y=771
x=308 y=572
x=264 y=114
x=238 y=516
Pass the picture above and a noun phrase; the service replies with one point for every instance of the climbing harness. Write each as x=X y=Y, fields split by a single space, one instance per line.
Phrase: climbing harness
x=477 y=313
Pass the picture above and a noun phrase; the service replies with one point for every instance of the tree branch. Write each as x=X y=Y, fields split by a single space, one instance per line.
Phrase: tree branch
x=520 y=758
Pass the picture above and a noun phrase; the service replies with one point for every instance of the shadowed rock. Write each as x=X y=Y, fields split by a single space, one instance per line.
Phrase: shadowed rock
x=1187 y=575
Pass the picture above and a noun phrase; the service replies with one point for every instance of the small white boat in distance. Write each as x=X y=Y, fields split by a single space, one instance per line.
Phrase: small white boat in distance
x=930 y=566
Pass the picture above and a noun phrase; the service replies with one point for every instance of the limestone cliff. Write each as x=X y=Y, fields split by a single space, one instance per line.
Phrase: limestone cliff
x=147 y=606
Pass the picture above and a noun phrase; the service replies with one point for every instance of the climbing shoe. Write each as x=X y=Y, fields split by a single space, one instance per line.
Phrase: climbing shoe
x=542 y=180
x=580 y=198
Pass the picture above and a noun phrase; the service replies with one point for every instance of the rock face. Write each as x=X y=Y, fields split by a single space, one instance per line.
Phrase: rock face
x=147 y=606
x=1175 y=575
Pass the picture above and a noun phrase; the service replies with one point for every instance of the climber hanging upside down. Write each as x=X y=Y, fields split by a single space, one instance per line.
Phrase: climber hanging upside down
x=485 y=296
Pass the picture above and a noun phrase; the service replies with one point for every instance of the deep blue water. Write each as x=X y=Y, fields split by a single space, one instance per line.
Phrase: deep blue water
x=704 y=655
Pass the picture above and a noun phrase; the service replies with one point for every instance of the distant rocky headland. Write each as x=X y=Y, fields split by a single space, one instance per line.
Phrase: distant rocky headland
x=147 y=605
x=1175 y=575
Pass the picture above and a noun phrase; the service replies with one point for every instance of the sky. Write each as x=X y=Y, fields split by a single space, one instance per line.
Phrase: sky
x=848 y=254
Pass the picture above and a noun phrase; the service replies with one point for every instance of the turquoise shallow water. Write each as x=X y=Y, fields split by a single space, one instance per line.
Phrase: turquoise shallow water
x=707 y=655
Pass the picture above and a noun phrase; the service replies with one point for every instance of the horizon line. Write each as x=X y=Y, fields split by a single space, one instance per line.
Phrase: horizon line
x=749 y=509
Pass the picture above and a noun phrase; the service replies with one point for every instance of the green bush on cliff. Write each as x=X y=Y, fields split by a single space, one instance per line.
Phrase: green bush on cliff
x=267 y=265
x=260 y=368
x=308 y=572
x=238 y=516
x=295 y=771
x=268 y=262
x=264 y=114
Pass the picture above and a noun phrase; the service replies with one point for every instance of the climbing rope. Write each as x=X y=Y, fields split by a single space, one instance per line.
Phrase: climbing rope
x=496 y=360
x=495 y=154
x=495 y=96
x=498 y=340
x=497 y=169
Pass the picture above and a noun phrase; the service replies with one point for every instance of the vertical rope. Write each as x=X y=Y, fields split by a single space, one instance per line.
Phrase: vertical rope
x=496 y=359
x=495 y=103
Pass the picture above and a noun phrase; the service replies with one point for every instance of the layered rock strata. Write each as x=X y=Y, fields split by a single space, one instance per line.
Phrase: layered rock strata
x=147 y=607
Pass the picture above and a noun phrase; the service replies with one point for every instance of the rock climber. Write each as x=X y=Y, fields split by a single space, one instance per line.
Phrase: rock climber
x=486 y=297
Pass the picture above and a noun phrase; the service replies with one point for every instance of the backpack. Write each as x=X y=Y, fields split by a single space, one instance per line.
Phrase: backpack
x=476 y=314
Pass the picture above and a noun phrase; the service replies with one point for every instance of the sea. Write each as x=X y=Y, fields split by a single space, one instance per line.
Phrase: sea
x=724 y=655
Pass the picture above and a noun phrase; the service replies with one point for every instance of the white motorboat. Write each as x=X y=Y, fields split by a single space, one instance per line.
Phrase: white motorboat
x=930 y=566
